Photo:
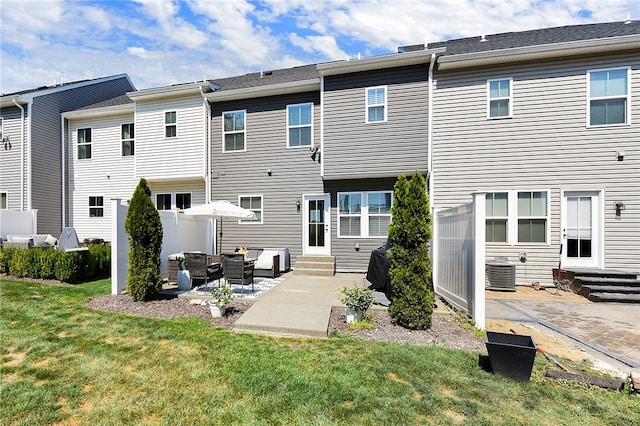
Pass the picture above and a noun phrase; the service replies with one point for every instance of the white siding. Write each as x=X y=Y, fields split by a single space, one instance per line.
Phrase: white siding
x=106 y=174
x=180 y=157
x=10 y=160
x=546 y=145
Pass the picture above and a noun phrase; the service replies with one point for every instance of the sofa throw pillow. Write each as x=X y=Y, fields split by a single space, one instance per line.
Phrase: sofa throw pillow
x=265 y=260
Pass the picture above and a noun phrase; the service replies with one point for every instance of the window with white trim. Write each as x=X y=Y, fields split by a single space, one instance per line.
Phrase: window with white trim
x=170 y=124
x=533 y=218
x=163 y=201
x=3 y=201
x=127 y=140
x=376 y=101
x=299 y=129
x=253 y=203
x=364 y=214
x=608 y=96
x=183 y=201
x=84 y=144
x=233 y=130
x=497 y=215
x=499 y=98
x=96 y=206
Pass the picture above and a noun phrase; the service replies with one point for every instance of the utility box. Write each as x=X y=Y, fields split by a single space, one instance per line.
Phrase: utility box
x=500 y=275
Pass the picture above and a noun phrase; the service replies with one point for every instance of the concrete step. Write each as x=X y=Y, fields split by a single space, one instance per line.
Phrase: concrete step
x=594 y=288
x=614 y=297
x=315 y=265
x=604 y=281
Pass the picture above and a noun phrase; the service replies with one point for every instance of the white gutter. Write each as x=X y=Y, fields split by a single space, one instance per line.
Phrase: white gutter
x=207 y=149
x=430 y=133
x=265 y=90
x=321 y=126
x=21 y=154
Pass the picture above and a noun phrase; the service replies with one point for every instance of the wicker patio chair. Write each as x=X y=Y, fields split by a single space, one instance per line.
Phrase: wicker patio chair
x=199 y=270
x=237 y=271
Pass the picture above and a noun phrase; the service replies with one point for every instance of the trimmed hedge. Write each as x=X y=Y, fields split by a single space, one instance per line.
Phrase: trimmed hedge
x=69 y=267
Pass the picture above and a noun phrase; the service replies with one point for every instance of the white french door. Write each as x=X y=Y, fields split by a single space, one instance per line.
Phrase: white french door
x=316 y=225
x=581 y=229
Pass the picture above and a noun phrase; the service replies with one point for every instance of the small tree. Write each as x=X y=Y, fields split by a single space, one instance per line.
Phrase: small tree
x=409 y=235
x=145 y=241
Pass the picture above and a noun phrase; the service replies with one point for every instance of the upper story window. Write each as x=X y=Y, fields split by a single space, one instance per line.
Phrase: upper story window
x=3 y=201
x=170 y=124
x=128 y=140
x=233 y=129
x=364 y=214
x=497 y=214
x=299 y=119
x=96 y=206
x=499 y=98
x=84 y=144
x=183 y=201
x=253 y=203
x=608 y=97
x=163 y=201
x=376 y=104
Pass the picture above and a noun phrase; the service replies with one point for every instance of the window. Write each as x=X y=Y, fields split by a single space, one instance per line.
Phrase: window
x=497 y=213
x=96 y=206
x=183 y=201
x=170 y=127
x=127 y=139
x=608 y=97
x=532 y=217
x=499 y=92
x=84 y=144
x=253 y=203
x=376 y=104
x=3 y=201
x=299 y=119
x=233 y=131
x=365 y=215
x=163 y=201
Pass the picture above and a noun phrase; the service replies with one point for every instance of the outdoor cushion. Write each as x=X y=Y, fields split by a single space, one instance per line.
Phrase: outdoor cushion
x=265 y=260
x=51 y=240
x=20 y=238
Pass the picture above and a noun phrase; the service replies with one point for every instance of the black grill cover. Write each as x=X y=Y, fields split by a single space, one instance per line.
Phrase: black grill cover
x=378 y=271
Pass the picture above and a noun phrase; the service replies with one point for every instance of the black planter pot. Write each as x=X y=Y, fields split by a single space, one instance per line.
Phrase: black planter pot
x=511 y=355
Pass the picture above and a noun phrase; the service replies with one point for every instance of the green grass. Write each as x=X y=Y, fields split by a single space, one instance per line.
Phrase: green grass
x=62 y=363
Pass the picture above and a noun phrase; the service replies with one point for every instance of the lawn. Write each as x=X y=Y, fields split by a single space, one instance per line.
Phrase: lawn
x=62 y=363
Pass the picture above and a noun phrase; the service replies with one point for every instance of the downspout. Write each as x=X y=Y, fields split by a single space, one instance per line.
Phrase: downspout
x=207 y=149
x=63 y=173
x=21 y=154
x=321 y=126
x=29 y=145
x=430 y=133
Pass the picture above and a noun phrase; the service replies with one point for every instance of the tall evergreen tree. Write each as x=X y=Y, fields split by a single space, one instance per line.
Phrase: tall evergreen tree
x=145 y=243
x=409 y=235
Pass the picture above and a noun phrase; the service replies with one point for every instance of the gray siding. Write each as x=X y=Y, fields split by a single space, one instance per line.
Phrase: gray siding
x=245 y=173
x=46 y=156
x=10 y=160
x=348 y=258
x=545 y=145
x=355 y=149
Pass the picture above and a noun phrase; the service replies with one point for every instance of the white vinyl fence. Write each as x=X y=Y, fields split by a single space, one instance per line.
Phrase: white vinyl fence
x=459 y=257
x=18 y=223
x=180 y=233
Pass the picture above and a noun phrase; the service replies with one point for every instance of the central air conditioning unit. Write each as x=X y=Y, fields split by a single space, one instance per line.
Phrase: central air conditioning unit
x=500 y=275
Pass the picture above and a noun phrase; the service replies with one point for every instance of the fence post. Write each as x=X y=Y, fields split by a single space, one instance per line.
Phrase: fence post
x=119 y=247
x=478 y=297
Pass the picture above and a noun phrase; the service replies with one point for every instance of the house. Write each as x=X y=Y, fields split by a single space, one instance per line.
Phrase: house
x=547 y=124
x=32 y=160
x=544 y=122
x=160 y=134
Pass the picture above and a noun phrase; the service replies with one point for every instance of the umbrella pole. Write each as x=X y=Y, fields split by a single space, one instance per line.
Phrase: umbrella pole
x=220 y=238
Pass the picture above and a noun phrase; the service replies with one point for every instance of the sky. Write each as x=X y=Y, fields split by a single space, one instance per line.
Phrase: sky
x=164 y=42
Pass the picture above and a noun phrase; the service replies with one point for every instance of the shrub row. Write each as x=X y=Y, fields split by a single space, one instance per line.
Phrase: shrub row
x=70 y=267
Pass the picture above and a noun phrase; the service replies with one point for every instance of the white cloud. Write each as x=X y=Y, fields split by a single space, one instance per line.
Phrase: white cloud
x=325 y=45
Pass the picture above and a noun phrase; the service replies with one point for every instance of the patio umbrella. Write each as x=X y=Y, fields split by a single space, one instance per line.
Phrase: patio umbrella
x=221 y=210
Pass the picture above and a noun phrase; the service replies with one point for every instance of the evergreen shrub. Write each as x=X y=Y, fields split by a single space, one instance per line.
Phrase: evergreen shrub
x=410 y=270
